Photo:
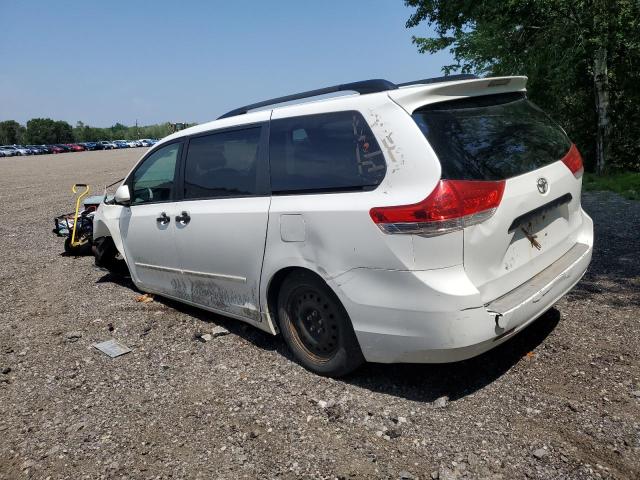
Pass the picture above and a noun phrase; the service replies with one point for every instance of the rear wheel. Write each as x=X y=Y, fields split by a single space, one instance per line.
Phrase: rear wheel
x=316 y=326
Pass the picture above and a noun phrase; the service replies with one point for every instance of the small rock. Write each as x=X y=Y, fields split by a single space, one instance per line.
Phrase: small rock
x=441 y=402
x=572 y=406
x=254 y=433
x=52 y=451
x=74 y=336
x=28 y=464
x=6 y=370
x=219 y=331
x=76 y=427
x=206 y=337
x=447 y=474
x=636 y=393
x=435 y=475
x=540 y=453
x=394 y=433
x=404 y=475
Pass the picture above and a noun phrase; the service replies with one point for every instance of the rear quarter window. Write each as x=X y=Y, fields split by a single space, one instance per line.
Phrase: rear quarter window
x=326 y=152
x=491 y=137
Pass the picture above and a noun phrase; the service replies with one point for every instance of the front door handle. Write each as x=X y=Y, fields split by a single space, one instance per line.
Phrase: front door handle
x=163 y=219
x=183 y=218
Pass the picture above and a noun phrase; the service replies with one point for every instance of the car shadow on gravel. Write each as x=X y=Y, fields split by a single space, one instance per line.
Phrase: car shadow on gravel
x=417 y=382
x=428 y=382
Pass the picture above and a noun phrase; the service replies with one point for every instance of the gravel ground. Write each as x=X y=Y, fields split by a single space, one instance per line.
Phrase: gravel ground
x=561 y=400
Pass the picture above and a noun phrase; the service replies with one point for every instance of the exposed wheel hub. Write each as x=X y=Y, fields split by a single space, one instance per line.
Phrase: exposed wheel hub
x=314 y=322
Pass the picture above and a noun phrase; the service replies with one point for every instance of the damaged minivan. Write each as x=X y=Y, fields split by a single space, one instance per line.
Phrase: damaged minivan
x=422 y=222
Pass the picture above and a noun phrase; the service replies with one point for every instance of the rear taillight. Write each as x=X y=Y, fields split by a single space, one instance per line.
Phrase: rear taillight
x=453 y=205
x=573 y=160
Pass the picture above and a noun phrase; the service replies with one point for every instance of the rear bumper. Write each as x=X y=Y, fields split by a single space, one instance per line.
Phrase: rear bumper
x=437 y=316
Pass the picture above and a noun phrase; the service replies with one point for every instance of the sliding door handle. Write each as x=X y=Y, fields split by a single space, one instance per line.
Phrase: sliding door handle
x=183 y=218
x=163 y=219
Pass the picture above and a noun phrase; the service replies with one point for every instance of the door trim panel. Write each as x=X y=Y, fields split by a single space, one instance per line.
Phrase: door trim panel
x=220 y=276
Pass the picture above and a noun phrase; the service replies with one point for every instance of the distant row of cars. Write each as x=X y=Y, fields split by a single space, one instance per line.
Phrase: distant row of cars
x=13 y=150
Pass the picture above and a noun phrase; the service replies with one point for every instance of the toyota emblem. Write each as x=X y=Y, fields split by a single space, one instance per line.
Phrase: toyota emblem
x=543 y=185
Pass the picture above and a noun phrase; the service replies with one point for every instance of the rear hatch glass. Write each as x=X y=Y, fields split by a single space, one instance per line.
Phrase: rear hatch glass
x=506 y=137
x=491 y=137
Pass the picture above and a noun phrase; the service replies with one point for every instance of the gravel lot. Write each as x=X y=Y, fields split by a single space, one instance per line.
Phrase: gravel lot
x=561 y=400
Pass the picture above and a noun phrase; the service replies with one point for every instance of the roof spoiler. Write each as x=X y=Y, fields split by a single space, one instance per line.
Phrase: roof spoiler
x=411 y=98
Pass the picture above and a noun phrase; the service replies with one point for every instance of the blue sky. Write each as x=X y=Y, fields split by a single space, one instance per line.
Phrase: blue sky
x=104 y=62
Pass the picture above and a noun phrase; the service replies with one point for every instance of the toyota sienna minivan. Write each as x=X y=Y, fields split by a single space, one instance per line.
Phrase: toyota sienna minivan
x=423 y=222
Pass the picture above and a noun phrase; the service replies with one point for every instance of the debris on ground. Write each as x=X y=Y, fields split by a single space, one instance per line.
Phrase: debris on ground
x=540 y=453
x=205 y=337
x=441 y=402
x=74 y=336
x=144 y=298
x=219 y=331
x=112 y=347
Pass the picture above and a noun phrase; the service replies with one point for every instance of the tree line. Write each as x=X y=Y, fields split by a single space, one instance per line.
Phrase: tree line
x=582 y=58
x=40 y=131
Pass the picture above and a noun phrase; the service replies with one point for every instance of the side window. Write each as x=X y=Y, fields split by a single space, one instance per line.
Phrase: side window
x=153 y=180
x=326 y=152
x=222 y=164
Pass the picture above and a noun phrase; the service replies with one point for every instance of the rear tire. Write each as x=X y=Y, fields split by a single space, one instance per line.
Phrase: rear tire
x=316 y=327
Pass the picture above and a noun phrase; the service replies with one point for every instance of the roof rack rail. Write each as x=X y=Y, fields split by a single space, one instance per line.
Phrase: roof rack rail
x=447 y=78
x=365 y=86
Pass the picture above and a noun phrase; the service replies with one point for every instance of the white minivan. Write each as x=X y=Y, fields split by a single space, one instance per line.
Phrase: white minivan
x=422 y=222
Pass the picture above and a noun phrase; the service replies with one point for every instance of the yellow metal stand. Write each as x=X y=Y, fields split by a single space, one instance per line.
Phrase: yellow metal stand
x=83 y=194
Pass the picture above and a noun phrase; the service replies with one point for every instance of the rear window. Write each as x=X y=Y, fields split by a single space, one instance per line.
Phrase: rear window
x=491 y=137
x=328 y=152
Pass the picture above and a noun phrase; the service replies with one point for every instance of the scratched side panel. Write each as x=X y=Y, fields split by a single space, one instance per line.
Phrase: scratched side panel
x=339 y=233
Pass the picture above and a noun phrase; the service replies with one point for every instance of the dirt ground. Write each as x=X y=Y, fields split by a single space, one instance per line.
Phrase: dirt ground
x=561 y=400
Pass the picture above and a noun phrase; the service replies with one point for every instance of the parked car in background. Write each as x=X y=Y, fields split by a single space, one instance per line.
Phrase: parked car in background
x=106 y=145
x=64 y=147
x=75 y=147
x=22 y=150
x=56 y=149
x=132 y=143
x=89 y=145
x=37 y=149
x=145 y=142
x=121 y=144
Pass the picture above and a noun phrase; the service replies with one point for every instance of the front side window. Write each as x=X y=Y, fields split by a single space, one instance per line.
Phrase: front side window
x=223 y=164
x=153 y=181
x=324 y=153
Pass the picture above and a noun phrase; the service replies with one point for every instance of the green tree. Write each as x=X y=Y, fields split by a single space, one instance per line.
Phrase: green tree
x=11 y=132
x=47 y=131
x=582 y=58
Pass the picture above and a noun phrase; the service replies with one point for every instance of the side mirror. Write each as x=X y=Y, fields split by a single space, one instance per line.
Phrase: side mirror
x=123 y=197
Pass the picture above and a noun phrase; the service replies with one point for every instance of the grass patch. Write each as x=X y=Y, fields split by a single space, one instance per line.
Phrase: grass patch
x=626 y=184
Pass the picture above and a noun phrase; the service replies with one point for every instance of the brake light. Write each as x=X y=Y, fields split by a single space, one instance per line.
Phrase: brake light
x=573 y=160
x=453 y=205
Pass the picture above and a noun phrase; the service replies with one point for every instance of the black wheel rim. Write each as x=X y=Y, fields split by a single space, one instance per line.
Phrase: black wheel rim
x=315 y=321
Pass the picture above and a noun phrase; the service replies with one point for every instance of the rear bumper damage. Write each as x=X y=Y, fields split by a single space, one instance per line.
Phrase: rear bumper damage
x=437 y=316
